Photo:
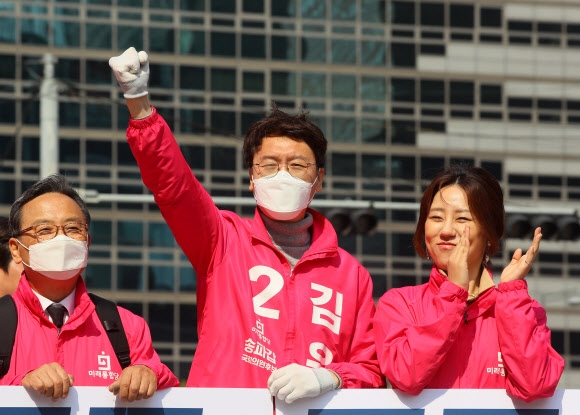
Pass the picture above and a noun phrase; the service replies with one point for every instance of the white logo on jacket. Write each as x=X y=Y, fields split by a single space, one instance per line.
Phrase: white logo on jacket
x=104 y=368
x=499 y=369
x=104 y=361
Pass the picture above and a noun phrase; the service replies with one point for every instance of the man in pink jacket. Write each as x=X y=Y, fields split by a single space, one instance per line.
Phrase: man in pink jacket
x=60 y=341
x=280 y=304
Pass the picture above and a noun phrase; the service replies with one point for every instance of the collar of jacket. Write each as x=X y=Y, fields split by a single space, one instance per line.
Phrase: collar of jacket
x=484 y=301
x=83 y=304
x=324 y=240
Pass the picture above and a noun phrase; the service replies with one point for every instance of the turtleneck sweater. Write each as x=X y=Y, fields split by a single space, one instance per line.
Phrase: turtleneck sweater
x=291 y=238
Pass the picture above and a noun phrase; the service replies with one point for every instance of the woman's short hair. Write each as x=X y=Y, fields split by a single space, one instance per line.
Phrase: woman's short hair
x=484 y=198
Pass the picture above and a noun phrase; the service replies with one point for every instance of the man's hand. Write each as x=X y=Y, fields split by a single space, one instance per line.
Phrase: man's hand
x=135 y=383
x=50 y=380
x=132 y=72
x=294 y=382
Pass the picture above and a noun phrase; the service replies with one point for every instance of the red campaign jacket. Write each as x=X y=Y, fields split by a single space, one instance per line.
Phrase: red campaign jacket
x=254 y=313
x=82 y=348
x=427 y=337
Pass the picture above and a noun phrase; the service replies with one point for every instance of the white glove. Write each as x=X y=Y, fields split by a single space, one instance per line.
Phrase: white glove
x=294 y=382
x=132 y=72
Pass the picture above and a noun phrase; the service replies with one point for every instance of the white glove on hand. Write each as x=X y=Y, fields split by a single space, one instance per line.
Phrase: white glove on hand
x=132 y=72
x=295 y=381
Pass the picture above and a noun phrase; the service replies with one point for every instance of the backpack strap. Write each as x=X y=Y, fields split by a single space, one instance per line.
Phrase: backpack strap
x=111 y=321
x=8 y=332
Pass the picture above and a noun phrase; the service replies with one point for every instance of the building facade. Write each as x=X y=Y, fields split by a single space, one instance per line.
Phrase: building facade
x=400 y=88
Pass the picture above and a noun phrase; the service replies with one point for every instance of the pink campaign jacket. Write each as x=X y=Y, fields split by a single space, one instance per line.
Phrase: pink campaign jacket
x=82 y=348
x=427 y=337
x=254 y=313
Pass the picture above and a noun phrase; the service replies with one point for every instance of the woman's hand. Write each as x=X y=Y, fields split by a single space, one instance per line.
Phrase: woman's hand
x=457 y=266
x=520 y=264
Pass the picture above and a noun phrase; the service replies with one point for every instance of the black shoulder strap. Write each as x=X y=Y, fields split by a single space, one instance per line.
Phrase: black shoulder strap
x=109 y=316
x=7 y=332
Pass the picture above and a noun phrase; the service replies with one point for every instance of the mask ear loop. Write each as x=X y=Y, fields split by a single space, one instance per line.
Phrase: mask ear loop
x=22 y=245
x=28 y=249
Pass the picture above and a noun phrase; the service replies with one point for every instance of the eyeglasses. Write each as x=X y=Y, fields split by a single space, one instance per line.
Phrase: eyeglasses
x=270 y=168
x=46 y=231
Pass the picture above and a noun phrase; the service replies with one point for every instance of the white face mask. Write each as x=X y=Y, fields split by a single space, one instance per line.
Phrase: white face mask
x=59 y=258
x=282 y=196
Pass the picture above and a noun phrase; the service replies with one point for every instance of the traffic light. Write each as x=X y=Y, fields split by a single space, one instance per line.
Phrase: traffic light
x=356 y=222
x=557 y=227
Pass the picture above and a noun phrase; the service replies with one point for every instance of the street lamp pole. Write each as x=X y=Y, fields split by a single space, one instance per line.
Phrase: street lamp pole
x=48 y=119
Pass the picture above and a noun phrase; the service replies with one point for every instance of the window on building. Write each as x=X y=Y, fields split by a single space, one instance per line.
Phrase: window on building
x=490 y=94
x=373 y=53
x=223 y=6
x=461 y=93
x=314 y=85
x=128 y=36
x=432 y=92
x=283 y=83
x=313 y=49
x=283 y=48
x=403 y=132
x=161 y=322
x=431 y=166
x=69 y=114
x=402 y=244
x=375 y=244
x=343 y=51
x=223 y=44
x=253 y=46
x=192 y=77
x=343 y=164
x=461 y=15
x=402 y=167
x=374 y=166
x=494 y=167
x=223 y=80
x=313 y=9
x=253 y=82
x=490 y=17
x=160 y=278
x=130 y=277
x=343 y=86
x=403 y=55
x=432 y=14
x=373 y=130
x=97 y=276
x=98 y=36
x=343 y=130
x=402 y=12
x=223 y=158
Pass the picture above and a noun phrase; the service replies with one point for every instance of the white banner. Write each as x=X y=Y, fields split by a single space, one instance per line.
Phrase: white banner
x=90 y=400
x=16 y=400
x=432 y=402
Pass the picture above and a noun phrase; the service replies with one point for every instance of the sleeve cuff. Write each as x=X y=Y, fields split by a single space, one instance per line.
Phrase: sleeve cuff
x=503 y=287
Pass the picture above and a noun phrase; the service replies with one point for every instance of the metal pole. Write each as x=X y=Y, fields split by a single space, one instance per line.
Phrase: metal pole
x=48 y=119
x=93 y=196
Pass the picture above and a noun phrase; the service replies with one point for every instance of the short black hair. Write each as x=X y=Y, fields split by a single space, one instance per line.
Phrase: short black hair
x=5 y=254
x=297 y=127
x=55 y=183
